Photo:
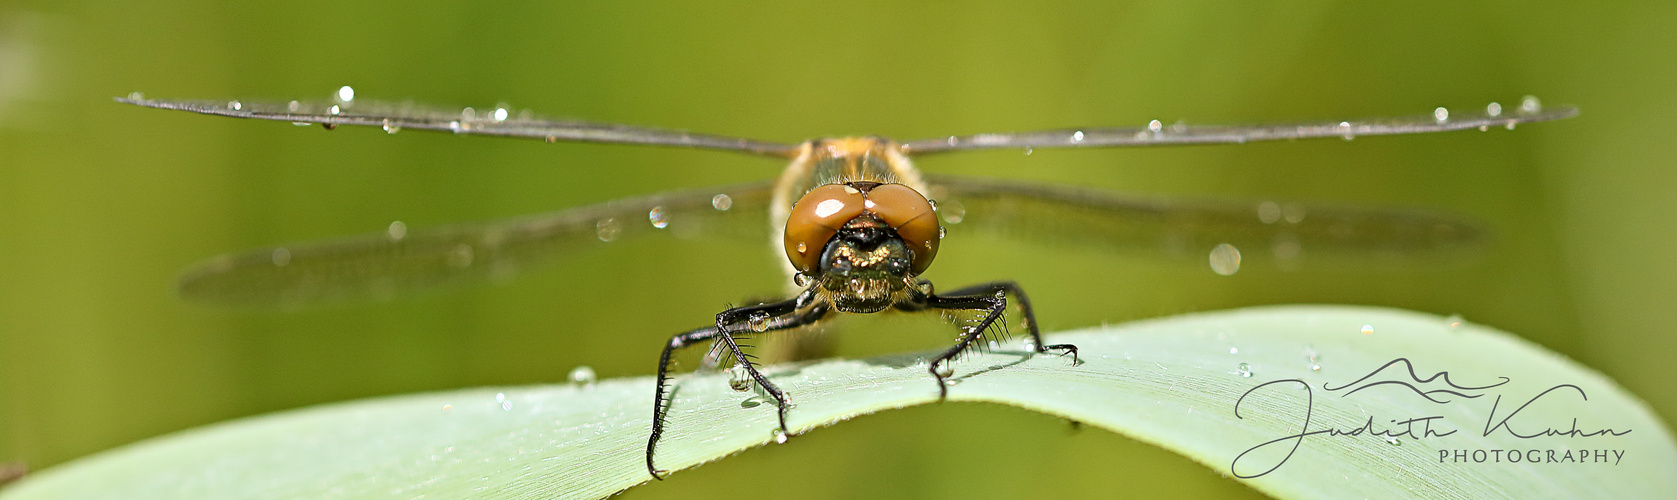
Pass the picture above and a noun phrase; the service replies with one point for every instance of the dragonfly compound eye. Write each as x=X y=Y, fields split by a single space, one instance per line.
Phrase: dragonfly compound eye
x=816 y=218
x=906 y=211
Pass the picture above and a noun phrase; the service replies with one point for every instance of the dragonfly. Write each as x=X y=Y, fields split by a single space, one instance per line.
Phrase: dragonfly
x=856 y=223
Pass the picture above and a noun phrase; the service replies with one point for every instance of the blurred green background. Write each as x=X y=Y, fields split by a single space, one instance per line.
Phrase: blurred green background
x=102 y=204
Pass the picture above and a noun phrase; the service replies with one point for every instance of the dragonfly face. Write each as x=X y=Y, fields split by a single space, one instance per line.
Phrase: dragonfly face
x=852 y=216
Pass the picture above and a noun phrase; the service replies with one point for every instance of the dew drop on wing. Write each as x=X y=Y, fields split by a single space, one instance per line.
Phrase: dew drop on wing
x=1243 y=370
x=1493 y=109
x=1225 y=259
x=1269 y=212
x=1441 y=115
x=1529 y=104
x=396 y=231
x=721 y=202
x=759 y=321
x=345 y=94
x=1368 y=329
x=779 y=436
x=658 y=218
x=607 y=229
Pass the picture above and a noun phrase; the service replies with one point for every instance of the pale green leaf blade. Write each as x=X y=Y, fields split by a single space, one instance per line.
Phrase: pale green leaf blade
x=1172 y=382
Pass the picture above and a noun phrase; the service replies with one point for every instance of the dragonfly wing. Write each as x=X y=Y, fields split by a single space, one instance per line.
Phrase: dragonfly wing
x=397 y=261
x=1107 y=220
x=395 y=116
x=1158 y=134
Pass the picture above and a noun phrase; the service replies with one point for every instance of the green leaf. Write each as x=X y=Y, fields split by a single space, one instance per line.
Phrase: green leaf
x=1173 y=382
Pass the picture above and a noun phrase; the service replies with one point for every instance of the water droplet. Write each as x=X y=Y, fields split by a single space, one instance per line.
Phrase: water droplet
x=329 y=126
x=293 y=106
x=945 y=371
x=759 y=321
x=779 y=436
x=461 y=256
x=136 y=96
x=1441 y=114
x=1529 y=104
x=396 y=231
x=802 y=249
x=1243 y=370
x=607 y=229
x=333 y=110
x=500 y=397
x=301 y=124
x=1154 y=126
x=552 y=139
x=1179 y=127
x=1029 y=345
x=281 y=257
x=500 y=114
x=1077 y=136
x=951 y=382
x=345 y=94
x=581 y=375
x=506 y=406
x=1269 y=212
x=1454 y=321
x=1293 y=213
x=390 y=129
x=951 y=141
x=721 y=202
x=1368 y=330
x=739 y=379
x=1310 y=357
x=1345 y=131
x=1393 y=440
x=1225 y=259
x=953 y=212
x=235 y=105
x=1028 y=150
x=468 y=114
x=941 y=232
x=657 y=217
x=800 y=279
x=1234 y=350
x=1493 y=109
x=993 y=345
x=1509 y=126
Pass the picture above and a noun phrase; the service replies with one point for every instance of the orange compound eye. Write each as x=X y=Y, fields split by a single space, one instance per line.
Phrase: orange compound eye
x=912 y=216
x=816 y=218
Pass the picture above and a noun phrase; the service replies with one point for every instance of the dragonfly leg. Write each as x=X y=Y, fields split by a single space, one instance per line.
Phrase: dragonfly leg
x=990 y=297
x=756 y=319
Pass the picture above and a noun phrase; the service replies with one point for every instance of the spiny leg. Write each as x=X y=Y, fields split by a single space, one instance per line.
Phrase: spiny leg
x=1025 y=308
x=782 y=316
x=989 y=297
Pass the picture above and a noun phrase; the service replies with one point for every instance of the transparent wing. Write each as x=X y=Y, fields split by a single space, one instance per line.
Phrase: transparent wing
x=1107 y=220
x=394 y=116
x=1159 y=134
x=397 y=261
